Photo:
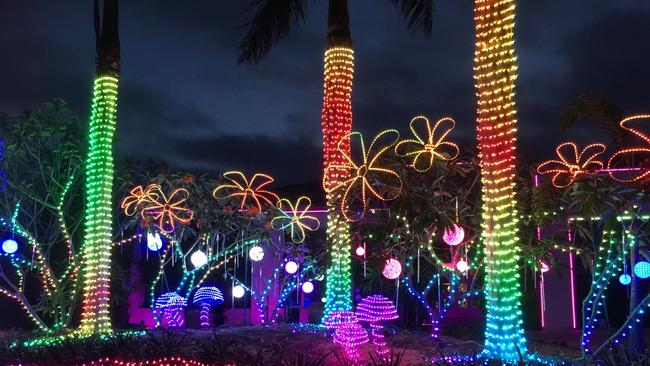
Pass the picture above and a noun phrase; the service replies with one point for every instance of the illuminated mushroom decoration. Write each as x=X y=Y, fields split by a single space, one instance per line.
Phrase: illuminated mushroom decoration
x=375 y=310
x=434 y=147
x=207 y=297
x=365 y=178
x=171 y=306
x=348 y=333
x=573 y=163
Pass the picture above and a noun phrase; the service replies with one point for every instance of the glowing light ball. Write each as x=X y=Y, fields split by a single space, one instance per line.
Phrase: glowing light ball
x=462 y=266
x=256 y=253
x=199 y=259
x=361 y=251
x=323 y=299
x=642 y=269
x=154 y=242
x=238 y=292
x=625 y=279
x=392 y=269
x=9 y=246
x=291 y=267
x=307 y=287
x=454 y=235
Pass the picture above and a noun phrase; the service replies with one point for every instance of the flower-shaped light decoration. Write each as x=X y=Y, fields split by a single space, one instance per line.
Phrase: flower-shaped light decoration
x=572 y=163
x=639 y=154
x=154 y=204
x=365 y=176
x=434 y=146
x=295 y=218
x=454 y=235
x=250 y=191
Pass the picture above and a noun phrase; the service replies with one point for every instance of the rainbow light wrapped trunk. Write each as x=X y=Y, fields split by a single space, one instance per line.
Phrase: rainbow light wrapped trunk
x=495 y=73
x=336 y=124
x=96 y=251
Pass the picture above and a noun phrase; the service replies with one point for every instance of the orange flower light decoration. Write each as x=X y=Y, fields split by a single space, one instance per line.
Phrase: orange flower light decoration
x=295 y=218
x=572 y=163
x=154 y=204
x=429 y=149
x=364 y=176
x=250 y=191
x=628 y=173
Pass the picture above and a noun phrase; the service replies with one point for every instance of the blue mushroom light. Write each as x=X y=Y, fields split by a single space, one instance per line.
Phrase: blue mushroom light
x=207 y=297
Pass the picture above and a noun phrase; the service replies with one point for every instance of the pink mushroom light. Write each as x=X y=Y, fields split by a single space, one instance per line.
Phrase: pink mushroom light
x=376 y=309
x=349 y=334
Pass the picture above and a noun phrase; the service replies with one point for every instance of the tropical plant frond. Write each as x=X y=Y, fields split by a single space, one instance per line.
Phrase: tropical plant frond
x=418 y=13
x=598 y=110
x=272 y=21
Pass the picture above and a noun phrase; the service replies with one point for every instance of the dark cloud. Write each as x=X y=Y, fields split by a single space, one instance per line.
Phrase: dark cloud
x=183 y=99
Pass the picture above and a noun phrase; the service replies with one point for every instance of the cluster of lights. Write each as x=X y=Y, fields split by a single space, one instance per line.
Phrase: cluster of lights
x=336 y=123
x=166 y=361
x=573 y=163
x=288 y=289
x=495 y=73
x=434 y=147
x=453 y=236
x=171 y=307
x=152 y=203
x=365 y=178
x=249 y=191
x=96 y=252
x=295 y=218
x=207 y=297
x=348 y=333
x=59 y=340
x=628 y=154
x=375 y=310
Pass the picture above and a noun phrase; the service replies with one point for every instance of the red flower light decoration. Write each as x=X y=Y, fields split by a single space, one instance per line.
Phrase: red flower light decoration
x=249 y=190
x=364 y=176
x=631 y=173
x=153 y=204
x=572 y=163
x=429 y=149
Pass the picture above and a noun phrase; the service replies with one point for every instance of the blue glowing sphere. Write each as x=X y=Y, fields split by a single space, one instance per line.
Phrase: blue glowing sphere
x=642 y=269
x=9 y=246
x=625 y=279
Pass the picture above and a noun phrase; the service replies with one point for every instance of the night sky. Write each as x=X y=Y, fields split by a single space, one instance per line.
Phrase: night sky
x=184 y=100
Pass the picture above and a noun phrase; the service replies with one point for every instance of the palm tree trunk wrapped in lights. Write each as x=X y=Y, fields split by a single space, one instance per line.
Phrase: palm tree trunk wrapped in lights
x=336 y=124
x=495 y=73
x=96 y=251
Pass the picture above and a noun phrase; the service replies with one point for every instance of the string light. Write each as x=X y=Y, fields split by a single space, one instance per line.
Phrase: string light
x=295 y=218
x=166 y=361
x=207 y=297
x=426 y=151
x=153 y=203
x=250 y=191
x=96 y=250
x=336 y=122
x=376 y=309
x=573 y=163
x=364 y=176
x=495 y=72
x=628 y=154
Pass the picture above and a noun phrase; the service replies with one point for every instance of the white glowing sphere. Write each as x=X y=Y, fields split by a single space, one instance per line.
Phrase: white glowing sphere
x=291 y=267
x=462 y=266
x=199 y=259
x=392 y=269
x=238 y=292
x=323 y=299
x=256 y=253
x=361 y=251
x=9 y=246
x=544 y=267
x=307 y=287
x=154 y=242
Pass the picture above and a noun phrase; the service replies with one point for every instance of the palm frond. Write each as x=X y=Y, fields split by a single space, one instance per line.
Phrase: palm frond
x=418 y=13
x=272 y=21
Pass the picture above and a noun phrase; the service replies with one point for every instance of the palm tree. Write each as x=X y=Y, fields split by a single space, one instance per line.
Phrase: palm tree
x=495 y=73
x=98 y=228
x=272 y=21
